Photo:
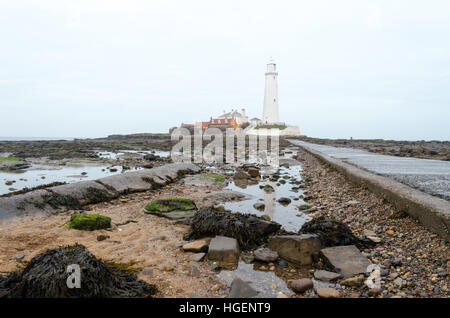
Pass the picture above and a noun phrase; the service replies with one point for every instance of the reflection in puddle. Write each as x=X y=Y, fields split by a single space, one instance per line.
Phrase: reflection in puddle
x=124 y=153
x=267 y=284
x=73 y=171
x=289 y=215
x=39 y=175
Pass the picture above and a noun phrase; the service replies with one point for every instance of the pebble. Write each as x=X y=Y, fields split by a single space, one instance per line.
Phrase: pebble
x=353 y=281
x=301 y=285
x=328 y=292
x=19 y=256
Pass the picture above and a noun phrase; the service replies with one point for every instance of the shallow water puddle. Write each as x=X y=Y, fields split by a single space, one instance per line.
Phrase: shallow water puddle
x=289 y=216
x=39 y=175
x=124 y=153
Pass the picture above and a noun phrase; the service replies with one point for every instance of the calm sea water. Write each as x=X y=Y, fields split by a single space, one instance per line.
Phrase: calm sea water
x=33 y=138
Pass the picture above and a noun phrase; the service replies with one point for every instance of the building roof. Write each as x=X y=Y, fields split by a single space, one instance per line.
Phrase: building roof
x=221 y=121
x=233 y=113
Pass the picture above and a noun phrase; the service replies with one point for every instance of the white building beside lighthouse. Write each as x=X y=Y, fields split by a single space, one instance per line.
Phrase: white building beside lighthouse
x=270 y=113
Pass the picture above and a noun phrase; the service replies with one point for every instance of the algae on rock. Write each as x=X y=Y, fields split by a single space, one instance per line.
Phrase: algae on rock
x=168 y=205
x=89 y=222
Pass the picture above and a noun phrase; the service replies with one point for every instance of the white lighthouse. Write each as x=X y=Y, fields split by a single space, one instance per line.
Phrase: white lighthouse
x=270 y=124
x=270 y=114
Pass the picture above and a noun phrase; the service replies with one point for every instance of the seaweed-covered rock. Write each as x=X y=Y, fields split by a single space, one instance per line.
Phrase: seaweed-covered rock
x=47 y=274
x=250 y=231
x=334 y=233
x=180 y=209
x=89 y=222
x=168 y=205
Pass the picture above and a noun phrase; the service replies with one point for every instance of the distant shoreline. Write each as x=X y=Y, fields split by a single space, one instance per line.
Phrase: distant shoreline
x=34 y=138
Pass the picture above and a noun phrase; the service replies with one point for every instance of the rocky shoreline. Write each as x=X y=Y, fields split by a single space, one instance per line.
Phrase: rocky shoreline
x=414 y=261
x=84 y=148
x=179 y=234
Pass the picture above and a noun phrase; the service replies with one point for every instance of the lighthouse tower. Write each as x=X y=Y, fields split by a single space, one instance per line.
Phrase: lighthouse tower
x=270 y=114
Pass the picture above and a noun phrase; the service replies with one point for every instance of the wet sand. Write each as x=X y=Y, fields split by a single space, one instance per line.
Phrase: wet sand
x=151 y=242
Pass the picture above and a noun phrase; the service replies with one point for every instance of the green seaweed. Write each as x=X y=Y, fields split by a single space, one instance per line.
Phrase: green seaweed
x=10 y=159
x=89 y=222
x=213 y=176
x=171 y=204
x=280 y=127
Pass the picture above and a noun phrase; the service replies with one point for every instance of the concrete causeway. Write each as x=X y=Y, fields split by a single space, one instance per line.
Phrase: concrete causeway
x=430 y=176
x=397 y=179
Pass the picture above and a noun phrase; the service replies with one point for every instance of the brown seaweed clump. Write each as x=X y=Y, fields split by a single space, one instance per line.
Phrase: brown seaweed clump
x=334 y=233
x=46 y=276
x=250 y=231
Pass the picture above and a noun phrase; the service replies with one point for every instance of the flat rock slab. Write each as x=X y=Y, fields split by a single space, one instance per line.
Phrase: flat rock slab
x=178 y=215
x=265 y=255
x=227 y=195
x=197 y=257
x=297 y=249
x=196 y=246
x=241 y=289
x=202 y=181
x=224 y=249
x=76 y=195
x=128 y=182
x=85 y=192
x=348 y=259
x=173 y=170
x=326 y=276
x=25 y=204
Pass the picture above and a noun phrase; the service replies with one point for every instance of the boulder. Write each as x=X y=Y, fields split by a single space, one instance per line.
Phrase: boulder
x=284 y=201
x=348 y=260
x=239 y=175
x=301 y=285
x=224 y=249
x=250 y=231
x=326 y=276
x=253 y=172
x=259 y=206
x=297 y=249
x=265 y=255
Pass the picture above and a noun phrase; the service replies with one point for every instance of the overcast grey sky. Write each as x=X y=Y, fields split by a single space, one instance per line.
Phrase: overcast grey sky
x=360 y=68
